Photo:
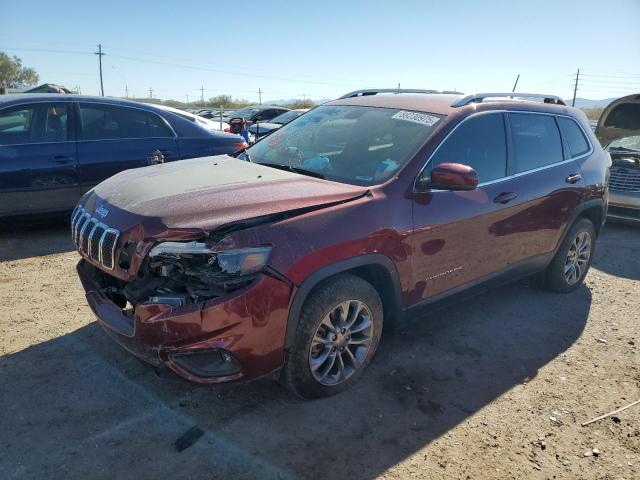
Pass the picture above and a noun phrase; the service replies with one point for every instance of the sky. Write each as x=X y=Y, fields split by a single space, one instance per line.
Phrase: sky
x=323 y=49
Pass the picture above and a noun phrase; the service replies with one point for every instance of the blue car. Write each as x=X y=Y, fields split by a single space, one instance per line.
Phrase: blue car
x=55 y=147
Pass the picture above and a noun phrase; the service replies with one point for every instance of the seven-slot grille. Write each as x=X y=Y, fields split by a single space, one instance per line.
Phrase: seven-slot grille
x=624 y=179
x=92 y=237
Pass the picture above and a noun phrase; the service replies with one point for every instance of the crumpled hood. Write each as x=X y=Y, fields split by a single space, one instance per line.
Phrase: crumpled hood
x=206 y=193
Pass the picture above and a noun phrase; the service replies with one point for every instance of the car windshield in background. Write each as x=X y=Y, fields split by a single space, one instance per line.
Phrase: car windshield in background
x=286 y=117
x=349 y=144
x=244 y=112
x=627 y=143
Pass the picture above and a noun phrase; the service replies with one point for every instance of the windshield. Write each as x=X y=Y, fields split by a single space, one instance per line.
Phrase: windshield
x=286 y=117
x=244 y=112
x=350 y=144
x=627 y=143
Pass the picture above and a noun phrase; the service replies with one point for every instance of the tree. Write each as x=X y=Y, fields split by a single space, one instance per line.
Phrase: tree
x=299 y=104
x=13 y=74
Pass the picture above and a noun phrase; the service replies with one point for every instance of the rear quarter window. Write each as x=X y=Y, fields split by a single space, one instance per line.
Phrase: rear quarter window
x=573 y=135
x=536 y=141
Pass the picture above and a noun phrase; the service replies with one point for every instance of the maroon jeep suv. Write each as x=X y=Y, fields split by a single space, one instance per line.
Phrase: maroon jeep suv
x=291 y=257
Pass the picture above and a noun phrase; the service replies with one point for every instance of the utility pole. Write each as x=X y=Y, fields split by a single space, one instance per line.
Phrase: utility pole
x=126 y=91
x=259 y=96
x=202 y=95
x=150 y=92
x=516 y=84
x=398 y=86
x=575 y=89
x=187 y=99
x=100 y=55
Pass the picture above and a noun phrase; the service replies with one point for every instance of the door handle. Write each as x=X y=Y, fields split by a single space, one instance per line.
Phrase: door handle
x=505 y=197
x=573 y=178
x=156 y=157
x=60 y=159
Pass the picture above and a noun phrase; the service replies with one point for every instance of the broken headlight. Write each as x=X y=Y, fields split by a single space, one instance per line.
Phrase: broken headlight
x=195 y=269
x=240 y=261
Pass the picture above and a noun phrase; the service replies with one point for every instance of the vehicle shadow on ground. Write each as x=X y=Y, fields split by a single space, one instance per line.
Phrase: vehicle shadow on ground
x=79 y=407
x=43 y=239
x=616 y=247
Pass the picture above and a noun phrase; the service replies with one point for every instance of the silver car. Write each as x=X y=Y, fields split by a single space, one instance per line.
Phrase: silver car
x=619 y=132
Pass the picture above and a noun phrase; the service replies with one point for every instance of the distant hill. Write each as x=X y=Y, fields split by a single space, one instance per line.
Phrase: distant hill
x=589 y=103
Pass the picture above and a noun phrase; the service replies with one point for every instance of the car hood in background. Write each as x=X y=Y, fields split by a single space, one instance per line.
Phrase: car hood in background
x=206 y=193
x=620 y=119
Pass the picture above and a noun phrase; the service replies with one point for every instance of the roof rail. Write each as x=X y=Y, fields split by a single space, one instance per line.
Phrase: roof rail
x=375 y=91
x=479 y=97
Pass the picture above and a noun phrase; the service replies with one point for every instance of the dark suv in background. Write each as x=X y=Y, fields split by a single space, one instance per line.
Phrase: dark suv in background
x=55 y=147
x=343 y=219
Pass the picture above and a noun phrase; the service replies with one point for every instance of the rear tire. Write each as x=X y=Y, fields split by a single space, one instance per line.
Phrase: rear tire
x=571 y=262
x=337 y=336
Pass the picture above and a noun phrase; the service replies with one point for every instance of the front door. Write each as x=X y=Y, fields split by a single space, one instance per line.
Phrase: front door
x=38 y=160
x=115 y=138
x=454 y=242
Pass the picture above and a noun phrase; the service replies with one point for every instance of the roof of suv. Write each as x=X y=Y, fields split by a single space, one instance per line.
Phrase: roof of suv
x=440 y=103
x=19 y=98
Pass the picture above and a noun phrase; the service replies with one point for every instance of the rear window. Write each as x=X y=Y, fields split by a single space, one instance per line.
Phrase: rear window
x=536 y=141
x=574 y=137
x=105 y=122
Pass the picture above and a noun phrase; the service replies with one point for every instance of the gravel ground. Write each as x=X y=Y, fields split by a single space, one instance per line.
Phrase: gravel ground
x=489 y=388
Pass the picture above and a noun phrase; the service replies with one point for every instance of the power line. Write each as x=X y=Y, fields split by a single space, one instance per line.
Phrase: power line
x=194 y=67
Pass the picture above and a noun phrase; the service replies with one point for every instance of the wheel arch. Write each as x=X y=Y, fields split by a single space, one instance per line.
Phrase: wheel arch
x=375 y=268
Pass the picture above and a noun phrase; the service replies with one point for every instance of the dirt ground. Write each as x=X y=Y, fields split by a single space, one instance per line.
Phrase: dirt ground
x=490 y=388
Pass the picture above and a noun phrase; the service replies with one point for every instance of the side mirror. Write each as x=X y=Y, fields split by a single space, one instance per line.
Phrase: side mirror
x=453 y=176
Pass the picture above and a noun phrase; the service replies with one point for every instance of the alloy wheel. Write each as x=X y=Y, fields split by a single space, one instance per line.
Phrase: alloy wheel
x=341 y=342
x=577 y=258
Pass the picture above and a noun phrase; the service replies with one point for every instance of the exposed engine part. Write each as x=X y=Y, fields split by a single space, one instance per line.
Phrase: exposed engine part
x=172 y=279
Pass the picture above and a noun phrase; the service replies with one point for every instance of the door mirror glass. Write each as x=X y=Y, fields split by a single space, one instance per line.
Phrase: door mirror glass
x=453 y=176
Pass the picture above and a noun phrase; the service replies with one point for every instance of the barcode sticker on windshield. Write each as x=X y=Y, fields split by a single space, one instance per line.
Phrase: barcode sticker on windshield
x=416 y=117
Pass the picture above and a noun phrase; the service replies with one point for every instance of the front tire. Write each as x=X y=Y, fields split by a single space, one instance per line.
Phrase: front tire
x=337 y=336
x=571 y=262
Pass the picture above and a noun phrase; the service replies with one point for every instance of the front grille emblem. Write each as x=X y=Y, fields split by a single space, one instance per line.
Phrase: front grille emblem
x=103 y=212
x=95 y=240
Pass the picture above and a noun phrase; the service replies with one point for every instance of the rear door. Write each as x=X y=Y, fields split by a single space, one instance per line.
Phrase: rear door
x=547 y=180
x=38 y=161
x=114 y=138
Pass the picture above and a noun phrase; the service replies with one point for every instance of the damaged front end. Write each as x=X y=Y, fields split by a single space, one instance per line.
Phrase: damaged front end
x=179 y=273
x=201 y=312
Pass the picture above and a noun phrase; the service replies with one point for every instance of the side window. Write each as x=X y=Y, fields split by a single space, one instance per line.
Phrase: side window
x=39 y=123
x=574 y=136
x=536 y=141
x=54 y=127
x=16 y=125
x=269 y=114
x=480 y=143
x=105 y=122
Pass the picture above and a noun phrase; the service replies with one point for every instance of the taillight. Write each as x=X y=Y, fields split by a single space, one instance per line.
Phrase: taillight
x=228 y=130
x=240 y=145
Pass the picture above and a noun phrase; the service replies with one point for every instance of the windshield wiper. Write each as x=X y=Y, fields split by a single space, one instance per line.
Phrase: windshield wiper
x=291 y=168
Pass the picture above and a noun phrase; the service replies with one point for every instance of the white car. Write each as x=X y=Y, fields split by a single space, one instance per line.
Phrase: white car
x=214 y=125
